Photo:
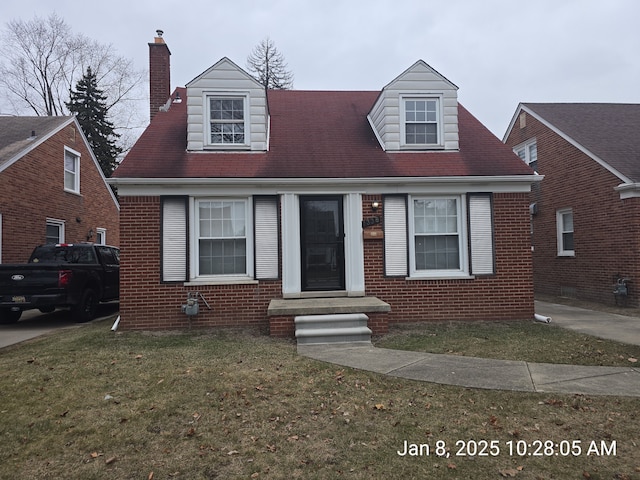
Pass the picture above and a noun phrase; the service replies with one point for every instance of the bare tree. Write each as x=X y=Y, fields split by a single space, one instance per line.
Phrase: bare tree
x=267 y=65
x=42 y=59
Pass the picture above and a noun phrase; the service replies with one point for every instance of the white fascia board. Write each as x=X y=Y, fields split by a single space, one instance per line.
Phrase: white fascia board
x=573 y=142
x=203 y=186
x=96 y=164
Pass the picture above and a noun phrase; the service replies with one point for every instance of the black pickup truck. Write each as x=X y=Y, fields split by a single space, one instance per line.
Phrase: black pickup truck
x=77 y=276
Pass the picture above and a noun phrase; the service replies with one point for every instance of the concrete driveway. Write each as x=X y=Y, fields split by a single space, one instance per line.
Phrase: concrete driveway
x=33 y=323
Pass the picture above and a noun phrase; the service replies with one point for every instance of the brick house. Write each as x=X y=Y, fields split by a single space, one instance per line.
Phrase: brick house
x=585 y=227
x=396 y=203
x=51 y=187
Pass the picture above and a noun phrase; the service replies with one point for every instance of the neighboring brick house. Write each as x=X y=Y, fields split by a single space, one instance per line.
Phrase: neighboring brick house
x=586 y=211
x=51 y=187
x=273 y=203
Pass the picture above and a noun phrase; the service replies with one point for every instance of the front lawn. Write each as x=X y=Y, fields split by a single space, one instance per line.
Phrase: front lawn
x=88 y=403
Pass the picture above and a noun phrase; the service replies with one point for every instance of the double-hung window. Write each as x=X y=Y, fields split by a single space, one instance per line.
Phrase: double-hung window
x=528 y=152
x=438 y=245
x=222 y=237
x=227 y=118
x=54 y=231
x=421 y=121
x=71 y=170
x=564 y=225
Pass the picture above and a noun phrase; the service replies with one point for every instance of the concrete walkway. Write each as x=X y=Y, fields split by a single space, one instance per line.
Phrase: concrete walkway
x=505 y=374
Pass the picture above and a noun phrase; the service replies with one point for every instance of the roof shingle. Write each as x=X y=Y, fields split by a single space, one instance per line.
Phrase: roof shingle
x=315 y=134
x=611 y=131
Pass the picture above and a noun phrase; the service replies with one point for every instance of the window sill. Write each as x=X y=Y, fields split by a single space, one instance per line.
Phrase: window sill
x=464 y=276
x=72 y=192
x=227 y=148
x=566 y=255
x=420 y=147
x=222 y=281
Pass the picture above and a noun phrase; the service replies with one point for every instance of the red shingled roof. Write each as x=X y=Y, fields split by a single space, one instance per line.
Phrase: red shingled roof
x=315 y=134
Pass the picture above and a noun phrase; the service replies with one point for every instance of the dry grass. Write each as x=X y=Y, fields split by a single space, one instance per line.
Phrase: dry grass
x=524 y=341
x=90 y=404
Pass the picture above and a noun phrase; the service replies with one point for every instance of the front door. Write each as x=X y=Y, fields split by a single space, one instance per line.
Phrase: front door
x=322 y=243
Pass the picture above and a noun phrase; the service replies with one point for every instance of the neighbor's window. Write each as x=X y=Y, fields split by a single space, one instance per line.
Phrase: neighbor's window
x=227 y=117
x=437 y=235
x=421 y=121
x=71 y=170
x=222 y=237
x=564 y=219
x=528 y=152
x=54 y=231
x=101 y=236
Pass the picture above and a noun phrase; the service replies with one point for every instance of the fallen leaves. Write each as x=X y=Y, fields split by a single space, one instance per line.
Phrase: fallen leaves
x=510 y=472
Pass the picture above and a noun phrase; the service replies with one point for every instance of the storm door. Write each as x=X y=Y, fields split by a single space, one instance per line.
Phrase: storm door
x=322 y=243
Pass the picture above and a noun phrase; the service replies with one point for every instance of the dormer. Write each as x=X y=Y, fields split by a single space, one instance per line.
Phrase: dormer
x=226 y=111
x=417 y=111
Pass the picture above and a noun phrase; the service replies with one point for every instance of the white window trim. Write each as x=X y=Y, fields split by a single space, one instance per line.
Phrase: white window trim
x=101 y=232
x=76 y=186
x=403 y=123
x=559 y=232
x=463 y=240
x=60 y=224
x=207 y=96
x=194 y=226
x=526 y=146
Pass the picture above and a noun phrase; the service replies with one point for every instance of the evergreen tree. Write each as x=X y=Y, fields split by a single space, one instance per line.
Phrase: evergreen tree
x=89 y=105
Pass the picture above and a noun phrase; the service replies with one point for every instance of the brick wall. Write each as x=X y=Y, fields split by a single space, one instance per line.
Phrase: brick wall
x=32 y=190
x=504 y=296
x=606 y=228
x=146 y=303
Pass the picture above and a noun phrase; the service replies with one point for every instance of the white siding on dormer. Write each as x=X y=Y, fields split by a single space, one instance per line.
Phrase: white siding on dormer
x=419 y=80
x=226 y=78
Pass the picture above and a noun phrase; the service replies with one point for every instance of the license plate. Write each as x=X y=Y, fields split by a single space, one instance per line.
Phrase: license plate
x=19 y=299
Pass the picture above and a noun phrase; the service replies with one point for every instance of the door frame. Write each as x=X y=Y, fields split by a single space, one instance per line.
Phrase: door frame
x=354 y=246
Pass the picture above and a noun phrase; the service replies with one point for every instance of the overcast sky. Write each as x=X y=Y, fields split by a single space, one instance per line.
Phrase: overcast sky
x=498 y=52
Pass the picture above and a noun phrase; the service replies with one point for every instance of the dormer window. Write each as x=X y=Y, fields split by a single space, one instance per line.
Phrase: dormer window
x=421 y=122
x=228 y=120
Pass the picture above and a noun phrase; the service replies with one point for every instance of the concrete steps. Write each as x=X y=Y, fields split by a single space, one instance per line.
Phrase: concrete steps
x=332 y=329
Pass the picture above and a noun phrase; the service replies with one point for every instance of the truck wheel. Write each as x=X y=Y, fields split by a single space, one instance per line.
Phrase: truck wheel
x=86 y=309
x=8 y=316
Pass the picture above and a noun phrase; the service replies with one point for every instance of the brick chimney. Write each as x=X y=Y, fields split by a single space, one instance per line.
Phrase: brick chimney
x=159 y=74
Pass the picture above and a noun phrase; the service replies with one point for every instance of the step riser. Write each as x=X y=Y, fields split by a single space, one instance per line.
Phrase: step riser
x=334 y=328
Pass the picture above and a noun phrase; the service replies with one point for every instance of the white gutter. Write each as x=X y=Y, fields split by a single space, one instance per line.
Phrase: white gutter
x=628 y=190
x=388 y=185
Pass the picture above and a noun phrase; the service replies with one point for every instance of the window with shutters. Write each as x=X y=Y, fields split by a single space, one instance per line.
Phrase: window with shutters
x=439 y=237
x=219 y=239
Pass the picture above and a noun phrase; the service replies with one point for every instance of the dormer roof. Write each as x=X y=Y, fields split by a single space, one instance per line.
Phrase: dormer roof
x=314 y=135
x=395 y=111
x=222 y=65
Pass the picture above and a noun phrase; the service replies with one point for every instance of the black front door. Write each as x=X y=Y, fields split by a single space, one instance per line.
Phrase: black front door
x=322 y=243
